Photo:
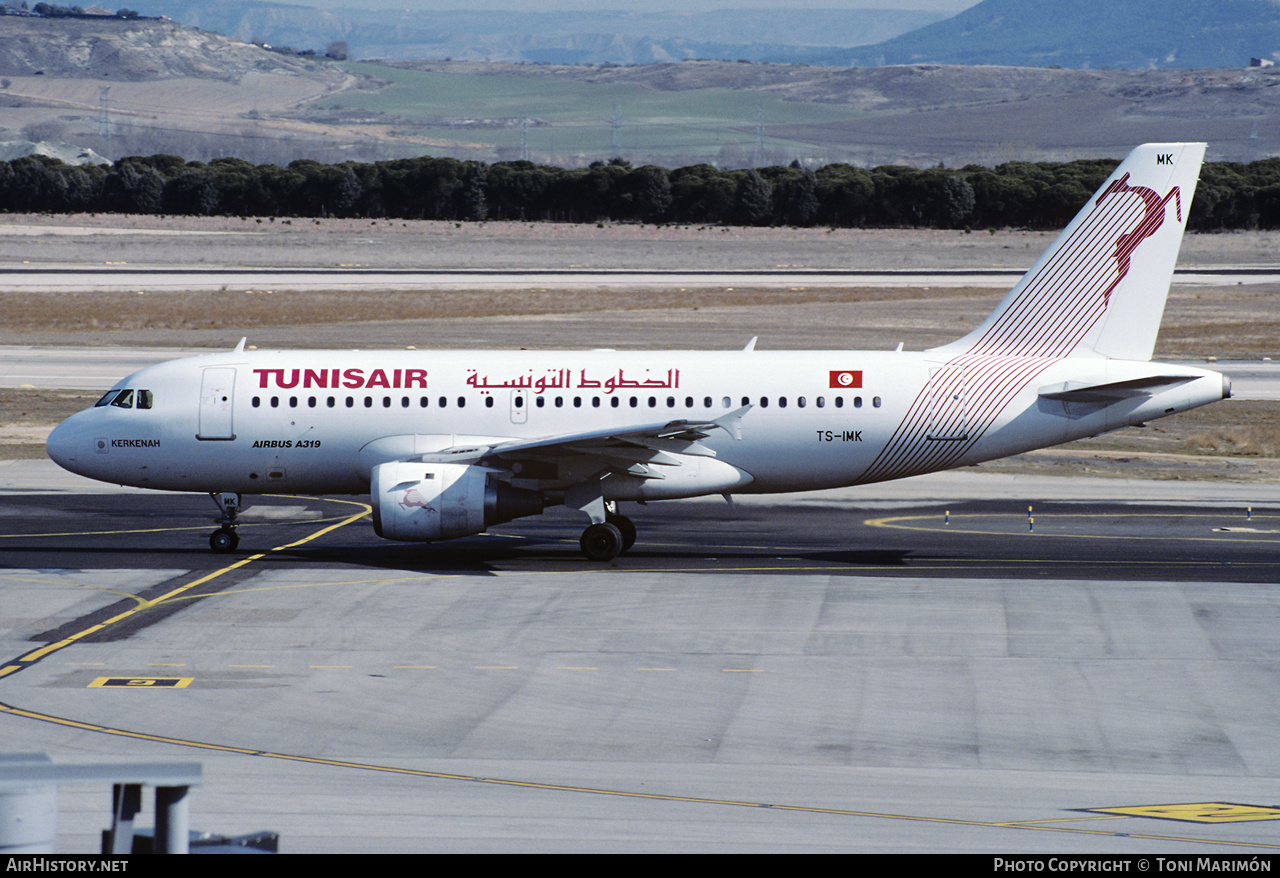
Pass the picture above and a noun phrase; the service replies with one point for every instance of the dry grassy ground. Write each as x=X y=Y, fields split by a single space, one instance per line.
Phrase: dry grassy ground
x=1233 y=440
x=1237 y=440
x=1231 y=323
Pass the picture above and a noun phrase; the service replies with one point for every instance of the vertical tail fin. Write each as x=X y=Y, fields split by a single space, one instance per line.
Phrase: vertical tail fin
x=1100 y=288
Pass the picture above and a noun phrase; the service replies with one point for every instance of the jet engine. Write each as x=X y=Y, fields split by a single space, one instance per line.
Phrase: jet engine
x=423 y=502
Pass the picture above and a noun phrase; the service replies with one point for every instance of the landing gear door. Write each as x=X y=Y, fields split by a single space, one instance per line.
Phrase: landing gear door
x=217 y=393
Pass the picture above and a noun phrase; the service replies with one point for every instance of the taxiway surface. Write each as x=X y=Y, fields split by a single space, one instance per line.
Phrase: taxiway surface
x=846 y=673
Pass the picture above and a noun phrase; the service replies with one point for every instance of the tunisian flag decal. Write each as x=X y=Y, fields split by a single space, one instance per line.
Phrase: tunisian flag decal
x=846 y=379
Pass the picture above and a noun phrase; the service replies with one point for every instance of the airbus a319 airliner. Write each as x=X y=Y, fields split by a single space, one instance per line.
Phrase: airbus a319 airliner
x=448 y=443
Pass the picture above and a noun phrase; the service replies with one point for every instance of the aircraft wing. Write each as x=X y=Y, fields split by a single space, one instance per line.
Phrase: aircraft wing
x=632 y=449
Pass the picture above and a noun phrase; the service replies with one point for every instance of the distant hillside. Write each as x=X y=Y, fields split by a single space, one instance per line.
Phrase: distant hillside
x=1089 y=34
x=136 y=51
x=137 y=88
x=1082 y=34
x=617 y=36
x=674 y=114
x=140 y=87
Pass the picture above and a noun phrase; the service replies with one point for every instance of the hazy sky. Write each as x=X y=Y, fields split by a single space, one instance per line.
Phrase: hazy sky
x=944 y=6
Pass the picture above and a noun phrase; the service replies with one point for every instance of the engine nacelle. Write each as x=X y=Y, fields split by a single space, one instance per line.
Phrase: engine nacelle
x=423 y=502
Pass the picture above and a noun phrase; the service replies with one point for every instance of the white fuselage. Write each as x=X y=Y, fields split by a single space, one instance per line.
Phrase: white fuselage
x=303 y=421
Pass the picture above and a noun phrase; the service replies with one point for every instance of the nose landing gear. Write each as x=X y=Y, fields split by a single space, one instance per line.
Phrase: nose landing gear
x=225 y=539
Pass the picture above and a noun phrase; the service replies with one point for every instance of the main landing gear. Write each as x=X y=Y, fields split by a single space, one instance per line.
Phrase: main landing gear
x=225 y=539
x=608 y=539
x=609 y=534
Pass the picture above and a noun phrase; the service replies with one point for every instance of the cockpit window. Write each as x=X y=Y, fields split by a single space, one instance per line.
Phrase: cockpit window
x=127 y=399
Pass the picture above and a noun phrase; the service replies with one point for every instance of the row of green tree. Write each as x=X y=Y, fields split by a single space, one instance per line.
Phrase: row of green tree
x=1041 y=195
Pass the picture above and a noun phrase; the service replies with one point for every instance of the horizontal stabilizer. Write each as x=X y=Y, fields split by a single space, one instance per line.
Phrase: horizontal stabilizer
x=1113 y=390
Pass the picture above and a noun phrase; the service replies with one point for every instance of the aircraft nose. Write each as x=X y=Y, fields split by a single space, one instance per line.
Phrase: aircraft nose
x=63 y=444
